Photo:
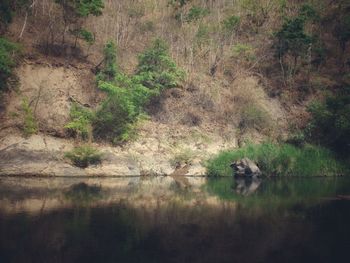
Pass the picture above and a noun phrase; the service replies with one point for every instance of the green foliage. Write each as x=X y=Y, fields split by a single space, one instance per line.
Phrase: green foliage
x=30 y=125
x=342 y=30
x=308 y=13
x=292 y=38
x=8 y=52
x=280 y=160
x=330 y=123
x=115 y=118
x=87 y=36
x=254 y=117
x=8 y=9
x=196 y=13
x=82 y=8
x=5 y=12
x=109 y=71
x=80 y=124
x=231 y=23
x=83 y=156
x=243 y=52
x=156 y=69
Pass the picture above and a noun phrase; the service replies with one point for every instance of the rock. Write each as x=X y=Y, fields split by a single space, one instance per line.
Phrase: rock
x=245 y=167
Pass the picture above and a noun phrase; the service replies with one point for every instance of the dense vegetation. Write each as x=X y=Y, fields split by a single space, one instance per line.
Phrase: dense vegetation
x=8 y=51
x=280 y=160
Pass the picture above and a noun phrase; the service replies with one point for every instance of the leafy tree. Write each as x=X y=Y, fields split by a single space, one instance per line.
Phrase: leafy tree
x=8 y=9
x=156 y=69
x=81 y=8
x=109 y=71
x=80 y=124
x=342 y=31
x=292 y=40
x=75 y=10
x=5 y=12
x=330 y=123
x=8 y=51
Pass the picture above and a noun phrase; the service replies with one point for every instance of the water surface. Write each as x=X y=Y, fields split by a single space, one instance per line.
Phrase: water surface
x=164 y=219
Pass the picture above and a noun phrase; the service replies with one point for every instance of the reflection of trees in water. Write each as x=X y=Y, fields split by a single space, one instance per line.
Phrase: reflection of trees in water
x=247 y=185
x=175 y=233
x=83 y=193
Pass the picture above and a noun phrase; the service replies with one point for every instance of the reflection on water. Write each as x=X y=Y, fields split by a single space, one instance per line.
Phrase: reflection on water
x=162 y=220
x=247 y=185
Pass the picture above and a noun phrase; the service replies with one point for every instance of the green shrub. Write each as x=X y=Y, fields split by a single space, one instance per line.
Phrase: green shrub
x=243 y=52
x=30 y=125
x=80 y=124
x=117 y=114
x=86 y=35
x=254 y=117
x=196 y=13
x=82 y=8
x=83 y=156
x=280 y=160
x=156 y=69
x=330 y=123
x=109 y=71
x=231 y=23
x=292 y=40
x=342 y=31
x=8 y=51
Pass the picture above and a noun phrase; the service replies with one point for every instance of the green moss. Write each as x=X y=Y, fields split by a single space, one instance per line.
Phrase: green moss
x=280 y=160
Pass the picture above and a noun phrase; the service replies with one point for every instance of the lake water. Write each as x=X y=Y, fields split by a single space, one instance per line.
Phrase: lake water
x=165 y=219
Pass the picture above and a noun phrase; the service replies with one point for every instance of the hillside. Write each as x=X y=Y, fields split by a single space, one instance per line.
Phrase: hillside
x=245 y=77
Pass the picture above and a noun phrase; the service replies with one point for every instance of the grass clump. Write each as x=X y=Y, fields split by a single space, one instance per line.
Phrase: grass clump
x=184 y=156
x=30 y=125
x=254 y=117
x=83 y=156
x=280 y=160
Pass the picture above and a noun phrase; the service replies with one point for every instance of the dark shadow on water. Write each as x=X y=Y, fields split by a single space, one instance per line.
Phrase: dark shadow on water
x=120 y=233
x=253 y=221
